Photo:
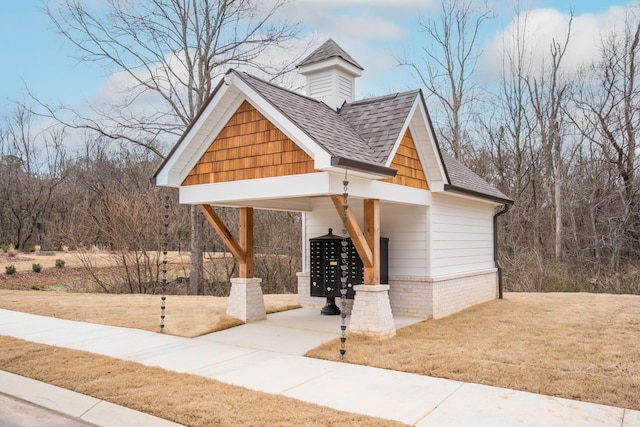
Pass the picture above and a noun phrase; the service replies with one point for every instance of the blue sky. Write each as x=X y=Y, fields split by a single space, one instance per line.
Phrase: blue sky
x=373 y=32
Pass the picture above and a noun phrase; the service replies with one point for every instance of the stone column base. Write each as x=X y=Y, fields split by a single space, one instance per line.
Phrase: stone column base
x=371 y=315
x=245 y=300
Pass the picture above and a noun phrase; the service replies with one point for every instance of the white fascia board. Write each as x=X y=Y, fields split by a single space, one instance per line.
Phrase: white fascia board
x=424 y=121
x=470 y=197
x=170 y=175
x=322 y=159
x=281 y=187
x=204 y=141
x=335 y=62
x=288 y=188
x=396 y=145
x=370 y=189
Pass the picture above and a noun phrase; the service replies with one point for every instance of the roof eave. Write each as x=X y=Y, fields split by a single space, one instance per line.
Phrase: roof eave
x=466 y=191
x=153 y=179
x=358 y=165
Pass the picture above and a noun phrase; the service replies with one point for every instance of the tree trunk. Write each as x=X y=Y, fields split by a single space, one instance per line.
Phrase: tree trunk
x=196 y=284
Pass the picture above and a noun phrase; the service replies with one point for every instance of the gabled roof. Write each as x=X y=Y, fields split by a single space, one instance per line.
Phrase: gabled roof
x=365 y=132
x=327 y=128
x=328 y=50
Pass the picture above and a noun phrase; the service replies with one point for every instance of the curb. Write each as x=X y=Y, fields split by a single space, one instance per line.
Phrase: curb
x=76 y=405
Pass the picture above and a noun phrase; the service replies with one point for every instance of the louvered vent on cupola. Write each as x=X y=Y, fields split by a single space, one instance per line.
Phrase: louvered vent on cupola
x=331 y=74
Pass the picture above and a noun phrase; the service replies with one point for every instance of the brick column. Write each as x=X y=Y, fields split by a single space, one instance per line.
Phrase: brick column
x=371 y=315
x=245 y=300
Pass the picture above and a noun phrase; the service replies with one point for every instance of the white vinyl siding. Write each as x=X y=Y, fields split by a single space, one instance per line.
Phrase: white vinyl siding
x=345 y=88
x=462 y=235
x=404 y=225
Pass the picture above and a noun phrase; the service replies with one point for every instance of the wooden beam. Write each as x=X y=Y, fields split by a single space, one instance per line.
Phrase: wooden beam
x=246 y=242
x=372 y=236
x=353 y=228
x=224 y=233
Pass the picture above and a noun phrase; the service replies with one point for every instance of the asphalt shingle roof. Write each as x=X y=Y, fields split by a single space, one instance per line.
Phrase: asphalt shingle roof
x=320 y=122
x=462 y=177
x=380 y=120
x=365 y=130
x=328 y=50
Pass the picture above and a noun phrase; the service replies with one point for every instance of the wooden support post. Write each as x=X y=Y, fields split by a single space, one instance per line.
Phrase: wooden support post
x=357 y=237
x=372 y=236
x=246 y=242
x=242 y=251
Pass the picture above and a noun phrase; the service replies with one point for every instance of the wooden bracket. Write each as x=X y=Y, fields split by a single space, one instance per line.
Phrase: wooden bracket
x=242 y=251
x=355 y=233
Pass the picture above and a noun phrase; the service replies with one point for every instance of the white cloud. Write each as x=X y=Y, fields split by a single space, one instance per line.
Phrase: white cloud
x=540 y=27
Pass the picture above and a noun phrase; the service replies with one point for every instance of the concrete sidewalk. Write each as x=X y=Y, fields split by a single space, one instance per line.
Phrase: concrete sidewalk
x=266 y=356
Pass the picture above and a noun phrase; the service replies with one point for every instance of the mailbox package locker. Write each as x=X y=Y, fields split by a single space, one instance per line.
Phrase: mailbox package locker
x=325 y=265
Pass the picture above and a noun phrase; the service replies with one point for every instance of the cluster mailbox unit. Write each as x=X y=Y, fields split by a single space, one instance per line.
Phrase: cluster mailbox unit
x=325 y=268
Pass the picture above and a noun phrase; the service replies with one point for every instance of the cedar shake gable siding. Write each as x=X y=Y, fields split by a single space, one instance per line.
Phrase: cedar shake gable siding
x=321 y=123
x=249 y=147
x=407 y=162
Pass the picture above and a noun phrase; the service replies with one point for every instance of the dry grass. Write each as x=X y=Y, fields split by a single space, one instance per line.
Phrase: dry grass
x=186 y=316
x=23 y=260
x=182 y=398
x=577 y=346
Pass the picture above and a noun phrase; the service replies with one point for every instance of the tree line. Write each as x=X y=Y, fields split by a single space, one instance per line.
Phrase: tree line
x=560 y=141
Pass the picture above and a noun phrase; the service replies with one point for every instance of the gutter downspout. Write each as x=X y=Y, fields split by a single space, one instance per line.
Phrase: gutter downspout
x=495 y=246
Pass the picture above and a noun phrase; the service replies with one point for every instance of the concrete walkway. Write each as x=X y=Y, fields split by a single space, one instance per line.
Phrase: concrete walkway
x=266 y=356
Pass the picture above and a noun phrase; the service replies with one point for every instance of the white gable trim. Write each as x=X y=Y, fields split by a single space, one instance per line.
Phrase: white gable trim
x=171 y=173
x=224 y=103
x=425 y=142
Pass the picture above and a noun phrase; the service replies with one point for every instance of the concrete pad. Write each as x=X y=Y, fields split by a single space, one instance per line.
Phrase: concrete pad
x=290 y=332
x=277 y=374
x=279 y=339
x=188 y=355
x=238 y=363
x=46 y=395
x=377 y=392
x=631 y=418
x=108 y=414
x=480 y=405
x=124 y=342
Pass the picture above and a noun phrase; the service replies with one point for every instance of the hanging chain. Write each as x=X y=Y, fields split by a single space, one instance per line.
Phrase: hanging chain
x=345 y=267
x=165 y=245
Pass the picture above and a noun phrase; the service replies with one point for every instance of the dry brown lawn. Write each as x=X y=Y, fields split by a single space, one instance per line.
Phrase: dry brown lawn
x=186 y=316
x=182 y=398
x=577 y=346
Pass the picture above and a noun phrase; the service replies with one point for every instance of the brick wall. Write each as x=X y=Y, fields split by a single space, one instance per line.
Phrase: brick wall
x=423 y=297
x=411 y=296
x=455 y=293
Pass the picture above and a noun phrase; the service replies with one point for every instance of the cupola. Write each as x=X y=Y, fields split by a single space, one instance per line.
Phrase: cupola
x=331 y=74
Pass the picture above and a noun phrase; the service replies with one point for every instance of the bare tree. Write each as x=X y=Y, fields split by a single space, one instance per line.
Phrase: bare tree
x=607 y=113
x=32 y=167
x=169 y=52
x=548 y=93
x=448 y=69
